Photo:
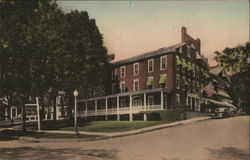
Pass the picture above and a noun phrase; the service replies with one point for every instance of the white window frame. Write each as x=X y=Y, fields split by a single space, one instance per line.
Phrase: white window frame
x=134 y=88
x=180 y=50
x=178 y=82
x=161 y=60
x=121 y=75
x=134 y=66
x=178 y=99
x=151 y=60
x=121 y=88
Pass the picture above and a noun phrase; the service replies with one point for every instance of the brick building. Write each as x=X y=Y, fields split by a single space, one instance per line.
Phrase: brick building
x=156 y=80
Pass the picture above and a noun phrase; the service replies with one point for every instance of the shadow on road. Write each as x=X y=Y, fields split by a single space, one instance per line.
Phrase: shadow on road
x=229 y=153
x=30 y=153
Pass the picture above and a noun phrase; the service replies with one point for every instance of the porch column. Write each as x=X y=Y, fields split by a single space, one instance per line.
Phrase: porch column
x=118 y=115
x=10 y=112
x=86 y=109
x=161 y=99
x=130 y=108
x=95 y=107
x=106 y=109
x=16 y=112
x=145 y=107
x=6 y=113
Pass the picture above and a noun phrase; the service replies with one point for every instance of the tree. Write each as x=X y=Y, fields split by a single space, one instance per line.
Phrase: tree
x=236 y=62
x=45 y=49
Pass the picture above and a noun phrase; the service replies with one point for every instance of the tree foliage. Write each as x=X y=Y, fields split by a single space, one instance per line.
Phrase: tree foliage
x=236 y=61
x=43 y=48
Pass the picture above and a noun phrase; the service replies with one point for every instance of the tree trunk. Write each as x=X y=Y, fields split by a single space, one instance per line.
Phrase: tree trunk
x=54 y=105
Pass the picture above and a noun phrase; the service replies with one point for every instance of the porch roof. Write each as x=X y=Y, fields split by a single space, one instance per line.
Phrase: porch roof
x=167 y=90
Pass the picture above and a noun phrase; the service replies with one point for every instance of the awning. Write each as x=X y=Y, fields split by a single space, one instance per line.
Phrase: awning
x=206 y=75
x=190 y=67
x=186 y=83
x=150 y=81
x=184 y=64
x=224 y=104
x=163 y=79
x=223 y=94
x=178 y=61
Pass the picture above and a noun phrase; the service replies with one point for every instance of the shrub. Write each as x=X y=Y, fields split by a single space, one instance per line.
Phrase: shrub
x=166 y=115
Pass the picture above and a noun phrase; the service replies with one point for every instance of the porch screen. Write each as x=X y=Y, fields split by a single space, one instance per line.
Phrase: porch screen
x=163 y=79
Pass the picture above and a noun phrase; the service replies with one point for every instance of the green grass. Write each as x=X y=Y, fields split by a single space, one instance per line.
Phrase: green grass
x=5 y=134
x=113 y=126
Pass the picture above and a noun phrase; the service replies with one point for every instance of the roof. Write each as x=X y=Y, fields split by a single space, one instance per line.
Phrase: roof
x=216 y=70
x=151 y=54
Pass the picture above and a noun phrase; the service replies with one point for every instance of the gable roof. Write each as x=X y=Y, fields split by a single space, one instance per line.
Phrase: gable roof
x=150 y=54
x=216 y=70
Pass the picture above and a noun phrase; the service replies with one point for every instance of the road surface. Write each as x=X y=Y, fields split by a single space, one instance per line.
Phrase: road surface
x=223 y=139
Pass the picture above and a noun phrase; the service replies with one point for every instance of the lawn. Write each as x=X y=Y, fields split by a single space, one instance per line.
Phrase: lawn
x=95 y=126
x=113 y=126
x=8 y=134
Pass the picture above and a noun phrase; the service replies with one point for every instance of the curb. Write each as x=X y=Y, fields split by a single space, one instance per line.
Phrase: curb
x=102 y=136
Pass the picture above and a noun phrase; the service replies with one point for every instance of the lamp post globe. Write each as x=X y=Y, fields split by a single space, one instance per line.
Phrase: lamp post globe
x=75 y=93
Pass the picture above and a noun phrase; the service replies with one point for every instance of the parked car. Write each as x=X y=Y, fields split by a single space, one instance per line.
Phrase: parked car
x=221 y=112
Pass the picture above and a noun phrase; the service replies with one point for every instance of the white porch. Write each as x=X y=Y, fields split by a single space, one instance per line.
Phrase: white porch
x=124 y=103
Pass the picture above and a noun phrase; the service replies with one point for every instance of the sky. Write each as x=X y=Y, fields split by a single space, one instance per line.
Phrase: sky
x=134 y=27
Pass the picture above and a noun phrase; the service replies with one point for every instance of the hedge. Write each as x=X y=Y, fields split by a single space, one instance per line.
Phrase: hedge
x=166 y=115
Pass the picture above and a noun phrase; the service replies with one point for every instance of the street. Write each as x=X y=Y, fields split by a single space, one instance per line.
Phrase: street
x=224 y=139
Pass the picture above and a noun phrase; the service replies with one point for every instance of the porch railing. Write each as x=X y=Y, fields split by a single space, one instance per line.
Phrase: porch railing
x=123 y=110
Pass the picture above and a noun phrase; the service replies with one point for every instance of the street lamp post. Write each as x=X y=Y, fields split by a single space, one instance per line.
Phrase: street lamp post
x=75 y=95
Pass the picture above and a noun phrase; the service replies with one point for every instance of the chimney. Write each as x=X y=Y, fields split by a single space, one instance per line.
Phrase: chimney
x=183 y=34
x=198 y=42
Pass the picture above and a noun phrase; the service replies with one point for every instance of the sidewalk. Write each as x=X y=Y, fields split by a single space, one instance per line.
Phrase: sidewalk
x=133 y=132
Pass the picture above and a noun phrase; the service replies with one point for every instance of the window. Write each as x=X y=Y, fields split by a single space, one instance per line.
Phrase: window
x=177 y=67
x=163 y=62
x=136 y=85
x=122 y=70
x=136 y=69
x=180 y=50
x=137 y=101
x=150 y=100
x=192 y=45
x=177 y=99
x=150 y=82
x=178 y=82
x=122 y=87
x=163 y=80
x=151 y=65
x=123 y=102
